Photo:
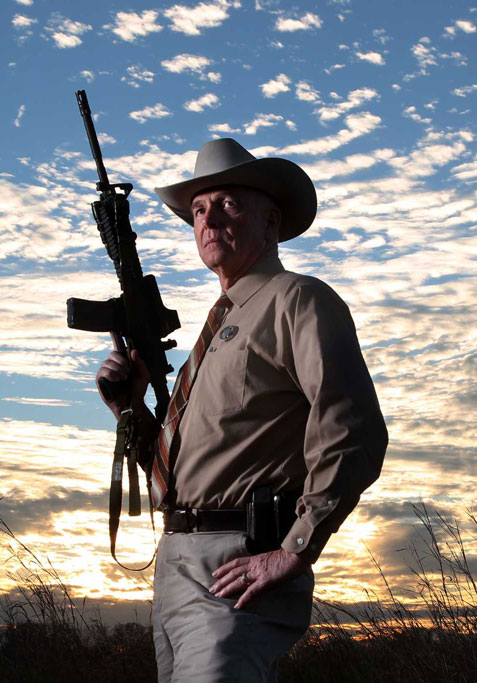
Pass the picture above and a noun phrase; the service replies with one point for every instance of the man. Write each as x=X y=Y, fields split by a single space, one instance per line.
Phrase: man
x=274 y=412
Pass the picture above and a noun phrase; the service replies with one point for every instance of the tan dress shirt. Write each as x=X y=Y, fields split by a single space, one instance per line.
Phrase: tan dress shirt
x=284 y=399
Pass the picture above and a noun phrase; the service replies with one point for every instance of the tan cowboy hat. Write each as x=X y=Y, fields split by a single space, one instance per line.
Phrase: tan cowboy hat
x=225 y=162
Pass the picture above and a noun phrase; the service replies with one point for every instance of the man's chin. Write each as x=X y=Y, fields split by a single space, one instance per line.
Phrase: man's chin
x=216 y=255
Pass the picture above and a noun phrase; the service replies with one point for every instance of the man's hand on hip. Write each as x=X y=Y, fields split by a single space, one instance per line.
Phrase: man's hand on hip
x=255 y=574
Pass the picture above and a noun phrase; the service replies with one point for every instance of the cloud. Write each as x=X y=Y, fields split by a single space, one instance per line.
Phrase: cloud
x=372 y=57
x=466 y=172
x=425 y=54
x=458 y=57
x=381 y=36
x=20 y=113
x=20 y=22
x=262 y=121
x=305 y=92
x=466 y=26
x=328 y=169
x=307 y=22
x=214 y=76
x=23 y=25
x=334 y=67
x=156 y=111
x=105 y=139
x=223 y=128
x=190 y=20
x=194 y=63
x=65 y=32
x=130 y=26
x=207 y=100
x=55 y=402
x=87 y=75
x=429 y=156
x=355 y=99
x=273 y=87
x=465 y=90
x=136 y=75
x=460 y=25
x=27 y=3
x=411 y=113
x=356 y=126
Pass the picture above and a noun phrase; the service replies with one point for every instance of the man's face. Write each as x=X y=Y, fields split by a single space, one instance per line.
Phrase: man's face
x=232 y=227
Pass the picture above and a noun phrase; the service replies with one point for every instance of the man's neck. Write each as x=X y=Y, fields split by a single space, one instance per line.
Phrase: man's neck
x=228 y=279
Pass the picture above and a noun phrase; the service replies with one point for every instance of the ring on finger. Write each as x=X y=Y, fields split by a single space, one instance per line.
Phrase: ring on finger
x=245 y=579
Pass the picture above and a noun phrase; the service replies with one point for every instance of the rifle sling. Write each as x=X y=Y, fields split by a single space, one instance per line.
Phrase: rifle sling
x=126 y=447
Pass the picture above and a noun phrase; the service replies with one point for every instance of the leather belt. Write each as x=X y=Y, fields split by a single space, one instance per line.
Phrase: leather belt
x=193 y=520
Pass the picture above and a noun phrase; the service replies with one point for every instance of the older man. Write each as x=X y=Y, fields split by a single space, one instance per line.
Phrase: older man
x=272 y=432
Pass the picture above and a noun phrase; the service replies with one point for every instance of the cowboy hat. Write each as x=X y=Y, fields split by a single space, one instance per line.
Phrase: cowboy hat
x=225 y=162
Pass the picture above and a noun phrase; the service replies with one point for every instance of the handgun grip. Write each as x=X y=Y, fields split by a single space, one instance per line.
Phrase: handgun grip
x=112 y=390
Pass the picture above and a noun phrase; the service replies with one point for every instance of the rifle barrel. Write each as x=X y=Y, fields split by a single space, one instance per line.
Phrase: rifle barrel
x=85 y=111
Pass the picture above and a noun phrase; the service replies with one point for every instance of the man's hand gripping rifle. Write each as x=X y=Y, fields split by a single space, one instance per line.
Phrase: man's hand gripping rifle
x=136 y=320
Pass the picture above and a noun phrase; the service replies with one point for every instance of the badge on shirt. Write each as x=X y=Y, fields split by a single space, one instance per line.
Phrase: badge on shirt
x=229 y=332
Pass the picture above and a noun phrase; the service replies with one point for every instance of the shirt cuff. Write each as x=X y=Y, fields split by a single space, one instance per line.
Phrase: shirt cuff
x=310 y=532
x=306 y=541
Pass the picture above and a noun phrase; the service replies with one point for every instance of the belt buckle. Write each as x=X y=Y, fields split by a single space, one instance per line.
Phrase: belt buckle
x=188 y=520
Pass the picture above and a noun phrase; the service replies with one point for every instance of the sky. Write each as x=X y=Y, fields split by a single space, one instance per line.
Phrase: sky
x=375 y=100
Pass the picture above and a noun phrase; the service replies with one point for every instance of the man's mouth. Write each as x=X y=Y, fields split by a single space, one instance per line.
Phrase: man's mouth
x=213 y=241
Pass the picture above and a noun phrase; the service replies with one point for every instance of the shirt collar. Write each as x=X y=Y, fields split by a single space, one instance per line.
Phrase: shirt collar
x=255 y=278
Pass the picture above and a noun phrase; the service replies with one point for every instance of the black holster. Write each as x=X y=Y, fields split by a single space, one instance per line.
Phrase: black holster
x=269 y=518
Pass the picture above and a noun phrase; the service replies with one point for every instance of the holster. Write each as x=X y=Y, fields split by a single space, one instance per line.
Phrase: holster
x=269 y=518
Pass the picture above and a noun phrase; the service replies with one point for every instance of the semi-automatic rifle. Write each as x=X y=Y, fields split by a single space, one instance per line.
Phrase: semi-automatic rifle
x=137 y=319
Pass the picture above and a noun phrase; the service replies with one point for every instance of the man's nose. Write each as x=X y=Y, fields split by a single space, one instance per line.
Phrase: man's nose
x=211 y=217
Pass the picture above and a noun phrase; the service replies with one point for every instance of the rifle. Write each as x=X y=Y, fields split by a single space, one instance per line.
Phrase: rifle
x=137 y=319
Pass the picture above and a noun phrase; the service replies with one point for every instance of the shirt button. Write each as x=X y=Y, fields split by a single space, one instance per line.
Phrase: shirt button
x=300 y=541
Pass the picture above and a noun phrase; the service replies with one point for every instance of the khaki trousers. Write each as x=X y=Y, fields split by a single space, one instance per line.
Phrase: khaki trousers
x=200 y=638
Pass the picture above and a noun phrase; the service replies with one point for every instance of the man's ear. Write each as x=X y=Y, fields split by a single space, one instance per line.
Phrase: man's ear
x=274 y=219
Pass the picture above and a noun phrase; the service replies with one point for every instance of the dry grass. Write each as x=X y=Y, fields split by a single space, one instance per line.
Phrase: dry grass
x=46 y=638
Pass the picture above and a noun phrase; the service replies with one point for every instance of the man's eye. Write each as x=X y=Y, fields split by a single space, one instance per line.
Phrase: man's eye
x=229 y=203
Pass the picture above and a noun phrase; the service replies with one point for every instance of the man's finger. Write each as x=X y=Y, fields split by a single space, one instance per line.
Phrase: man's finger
x=234 y=576
x=252 y=590
x=233 y=564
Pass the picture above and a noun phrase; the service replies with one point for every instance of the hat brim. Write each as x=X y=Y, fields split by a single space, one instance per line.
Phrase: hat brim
x=288 y=185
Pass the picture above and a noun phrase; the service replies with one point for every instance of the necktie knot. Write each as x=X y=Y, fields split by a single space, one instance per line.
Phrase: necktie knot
x=218 y=311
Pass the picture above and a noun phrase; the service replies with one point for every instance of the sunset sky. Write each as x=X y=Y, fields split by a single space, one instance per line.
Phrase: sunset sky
x=376 y=100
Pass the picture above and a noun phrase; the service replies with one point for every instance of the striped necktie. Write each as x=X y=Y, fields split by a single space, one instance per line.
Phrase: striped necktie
x=179 y=399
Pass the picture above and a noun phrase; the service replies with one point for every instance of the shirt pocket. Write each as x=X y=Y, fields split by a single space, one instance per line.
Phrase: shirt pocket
x=223 y=381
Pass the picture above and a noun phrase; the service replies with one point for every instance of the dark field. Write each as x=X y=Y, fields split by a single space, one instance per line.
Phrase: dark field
x=45 y=637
